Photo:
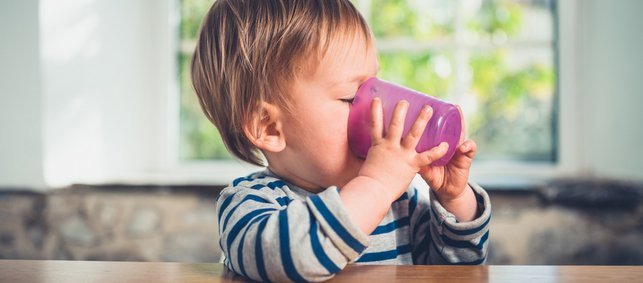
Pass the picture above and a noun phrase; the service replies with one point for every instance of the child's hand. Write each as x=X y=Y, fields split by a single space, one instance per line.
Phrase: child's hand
x=392 y=160
x=449 y=182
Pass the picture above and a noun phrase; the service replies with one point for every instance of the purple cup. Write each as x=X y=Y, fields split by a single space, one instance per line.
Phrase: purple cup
x=444 y=126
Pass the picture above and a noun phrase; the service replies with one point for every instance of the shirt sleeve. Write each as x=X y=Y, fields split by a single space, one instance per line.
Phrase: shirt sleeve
x=438 y=238
x=268 y=237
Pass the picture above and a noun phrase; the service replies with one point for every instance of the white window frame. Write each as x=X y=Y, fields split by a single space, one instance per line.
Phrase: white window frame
x=506 y=174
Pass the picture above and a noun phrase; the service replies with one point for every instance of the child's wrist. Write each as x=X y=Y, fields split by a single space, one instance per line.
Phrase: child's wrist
x=376 y=188
x=454 y=200
x=446 y=196
x=463 y=206
x=366 y=202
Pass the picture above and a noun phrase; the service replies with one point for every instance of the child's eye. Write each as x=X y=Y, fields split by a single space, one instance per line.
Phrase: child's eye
x=348 y=100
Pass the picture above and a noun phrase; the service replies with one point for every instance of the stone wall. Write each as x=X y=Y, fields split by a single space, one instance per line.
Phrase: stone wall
x=111 y=223
x=603 y=224
x=580 y=222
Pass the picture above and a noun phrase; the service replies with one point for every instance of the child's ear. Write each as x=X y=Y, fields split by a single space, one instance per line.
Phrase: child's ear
x=265 y=130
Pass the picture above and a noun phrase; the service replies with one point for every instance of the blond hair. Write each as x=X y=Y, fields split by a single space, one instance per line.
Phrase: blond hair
x=247 y=52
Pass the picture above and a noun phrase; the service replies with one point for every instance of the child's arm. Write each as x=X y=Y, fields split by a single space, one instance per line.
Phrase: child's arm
x=459 y=226
x=267 y=236
x=449 y=182
x=437 y=235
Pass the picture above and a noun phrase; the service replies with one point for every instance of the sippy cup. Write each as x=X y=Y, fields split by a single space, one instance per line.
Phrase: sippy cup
x=444 y=126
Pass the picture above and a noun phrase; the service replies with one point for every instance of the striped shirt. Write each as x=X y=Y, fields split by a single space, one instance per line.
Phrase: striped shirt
x=271 y=230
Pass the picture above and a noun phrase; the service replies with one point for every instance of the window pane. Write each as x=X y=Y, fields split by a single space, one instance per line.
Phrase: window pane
x=417 y=19
x=192 y=13
x=427 y=72
x=505 y=78
x=530 y=20
x=511 y=99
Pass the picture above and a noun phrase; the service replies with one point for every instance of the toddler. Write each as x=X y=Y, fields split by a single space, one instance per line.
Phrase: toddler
x=277 y=77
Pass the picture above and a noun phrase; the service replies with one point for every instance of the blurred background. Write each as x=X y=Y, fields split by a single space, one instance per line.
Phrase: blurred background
x=105 y=154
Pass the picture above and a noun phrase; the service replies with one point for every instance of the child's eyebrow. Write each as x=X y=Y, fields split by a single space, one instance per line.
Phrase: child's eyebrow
x=361 y=78
x=357 y=79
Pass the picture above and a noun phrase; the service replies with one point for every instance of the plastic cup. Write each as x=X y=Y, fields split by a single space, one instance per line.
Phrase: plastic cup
x=444 y=126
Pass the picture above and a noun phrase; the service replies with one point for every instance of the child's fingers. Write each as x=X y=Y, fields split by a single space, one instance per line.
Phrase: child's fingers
x=468 y=148
x=396 y=127
x=377 y=127
x=413 y=137
x=431 y=155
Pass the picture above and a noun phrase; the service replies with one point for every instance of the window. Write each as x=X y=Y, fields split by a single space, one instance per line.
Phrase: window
x=496 y=58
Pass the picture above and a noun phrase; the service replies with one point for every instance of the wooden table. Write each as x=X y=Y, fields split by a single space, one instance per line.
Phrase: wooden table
x=27 y=271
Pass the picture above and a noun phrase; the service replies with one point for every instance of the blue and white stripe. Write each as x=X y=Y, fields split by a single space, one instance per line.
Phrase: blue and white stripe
x=273 y=231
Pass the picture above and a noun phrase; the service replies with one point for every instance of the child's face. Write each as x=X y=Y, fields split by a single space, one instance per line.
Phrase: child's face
x=317 y=153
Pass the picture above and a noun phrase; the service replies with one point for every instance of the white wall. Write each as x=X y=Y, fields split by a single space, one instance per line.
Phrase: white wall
x=21 y=156
x=86 y=89
x=105 y=77
x=611 y=87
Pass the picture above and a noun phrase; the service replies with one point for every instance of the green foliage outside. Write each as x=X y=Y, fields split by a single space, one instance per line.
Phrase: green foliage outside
x=199 y=139
x=513 y=118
